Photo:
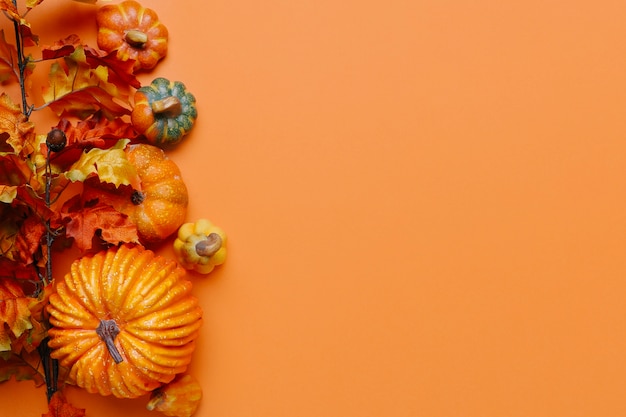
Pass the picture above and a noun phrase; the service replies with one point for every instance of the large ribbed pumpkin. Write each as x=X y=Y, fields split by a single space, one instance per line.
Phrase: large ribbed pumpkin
x=124 y=321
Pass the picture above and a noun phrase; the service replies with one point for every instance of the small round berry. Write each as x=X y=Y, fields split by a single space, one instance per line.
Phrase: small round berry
x=56 y=140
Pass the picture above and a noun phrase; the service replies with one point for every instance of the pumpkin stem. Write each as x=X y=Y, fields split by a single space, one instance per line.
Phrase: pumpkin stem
x=108 y=330
x=137 y=197
x=210 y=245
x=136 y=38
x=169 y=106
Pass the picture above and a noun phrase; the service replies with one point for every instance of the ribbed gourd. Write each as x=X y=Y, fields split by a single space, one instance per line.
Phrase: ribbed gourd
x=124 y=321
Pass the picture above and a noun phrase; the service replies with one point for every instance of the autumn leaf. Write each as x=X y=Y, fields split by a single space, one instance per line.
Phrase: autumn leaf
x=110 y=165
x=8 y=54
x=22 y=227
x=32 y=3
x=84 y=222
x=60 y=407
x=17 y=132
x=22 y=367
x=79 y=90
x=14 y=312
x=61 y=48
x=31 y=339
x=9 y=229
x=94 y=132
x=10 y=9
x=28 y=240
x=120 y=72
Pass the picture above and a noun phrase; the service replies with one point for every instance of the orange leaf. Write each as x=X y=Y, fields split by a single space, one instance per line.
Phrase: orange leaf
x=17 y=131
x=59 y=407
x=83 y=223
x=14 y=312
x=23 y=367
x=121 y=73
x=79 y=90
x=8 y=55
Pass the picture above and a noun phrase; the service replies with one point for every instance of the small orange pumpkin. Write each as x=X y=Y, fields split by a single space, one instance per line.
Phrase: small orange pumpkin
x=124 y=321
x=179 y=398
x=134 y=31
x=159 y=207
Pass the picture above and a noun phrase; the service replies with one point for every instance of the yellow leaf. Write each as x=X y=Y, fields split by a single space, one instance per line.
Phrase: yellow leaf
x=110 y=165
x=17 y=130
x=79 y=90
x=14 y=312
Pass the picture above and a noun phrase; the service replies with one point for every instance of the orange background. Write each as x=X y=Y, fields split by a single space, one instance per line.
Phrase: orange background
x=424 y=200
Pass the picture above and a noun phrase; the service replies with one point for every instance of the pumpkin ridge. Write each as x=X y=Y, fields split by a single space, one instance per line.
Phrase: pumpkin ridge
x=177 y=314
x=158 y=368
x=170 y=337
x=167 y=294
x=134 y=305
x=168 y=360
x=88 y=290
x=66 y=305
x=67 y=348
x=164 y=277
x=134 y=276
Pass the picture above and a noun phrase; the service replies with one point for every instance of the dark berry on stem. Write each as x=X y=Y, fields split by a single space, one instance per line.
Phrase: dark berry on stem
x=56 y=140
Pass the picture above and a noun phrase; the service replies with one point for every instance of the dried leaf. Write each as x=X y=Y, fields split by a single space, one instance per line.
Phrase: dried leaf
x=79 y=90
x=17 y=171
x=84 y=222
x=10 y=9
x=14 y=312
x=23 y=367
x=28 y=241
x=17 y=131
x=8 y=57
x=31 y=339
x=59 y=407
x=32 y=3
x=120 y=72
x=61 y=48
x=110 y=165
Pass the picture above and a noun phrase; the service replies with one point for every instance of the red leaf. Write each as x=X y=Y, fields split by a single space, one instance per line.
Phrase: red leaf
x=95 y=132
x=77 y=89
x=59 y=407
x=8 y=57
x=84 y=222
x=61 y=48
x=121 y=72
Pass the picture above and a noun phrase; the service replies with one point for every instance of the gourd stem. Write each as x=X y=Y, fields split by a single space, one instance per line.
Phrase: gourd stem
x=136 y=38
x=108 y=330
x=210 y=245
x=169 y=106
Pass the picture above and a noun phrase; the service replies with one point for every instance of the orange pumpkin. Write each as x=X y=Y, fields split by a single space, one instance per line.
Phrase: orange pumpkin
x=134 y=31
x=179 y=398
x=124 y=321
x=159 y=206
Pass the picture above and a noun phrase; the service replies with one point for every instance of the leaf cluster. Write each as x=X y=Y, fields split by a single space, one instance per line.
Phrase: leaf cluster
x=42 y=204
